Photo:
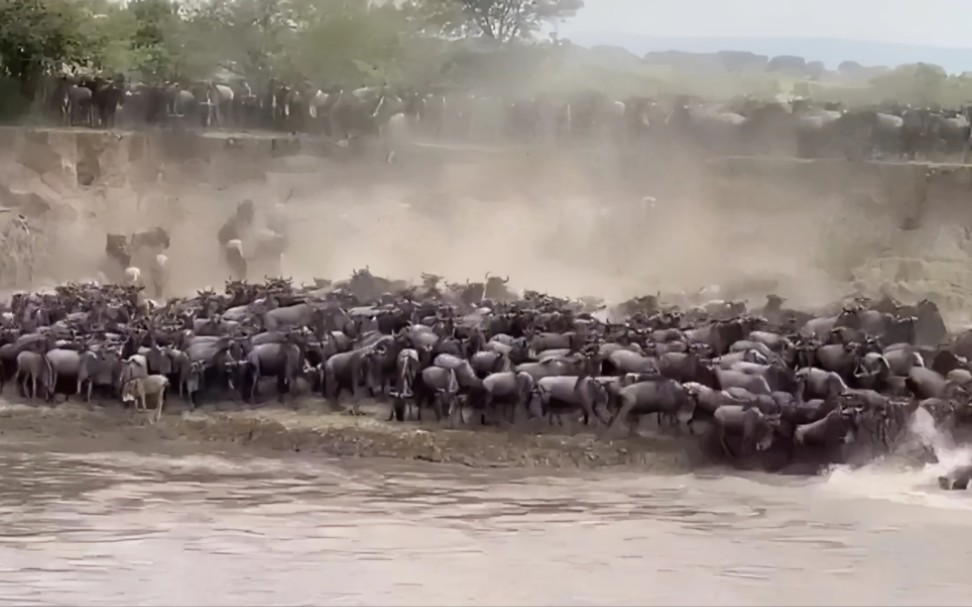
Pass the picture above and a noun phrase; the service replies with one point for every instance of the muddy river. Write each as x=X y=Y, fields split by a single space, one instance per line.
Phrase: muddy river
x=83 y=527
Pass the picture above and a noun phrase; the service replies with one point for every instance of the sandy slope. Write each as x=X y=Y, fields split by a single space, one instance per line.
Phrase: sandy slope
x=309 y=429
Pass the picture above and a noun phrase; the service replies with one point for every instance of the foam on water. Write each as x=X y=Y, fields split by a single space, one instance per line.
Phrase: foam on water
x=196 y=463
x=889 y=481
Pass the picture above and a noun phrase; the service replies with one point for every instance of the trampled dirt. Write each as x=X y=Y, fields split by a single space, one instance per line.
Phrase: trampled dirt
x=309 y=429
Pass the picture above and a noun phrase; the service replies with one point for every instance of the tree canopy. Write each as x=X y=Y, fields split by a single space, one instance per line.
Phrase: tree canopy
x=498 y=20
x=331 y=40
x=496 y=45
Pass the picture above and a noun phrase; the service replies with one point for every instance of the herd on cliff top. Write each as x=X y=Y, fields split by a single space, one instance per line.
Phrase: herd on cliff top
x=736 y=127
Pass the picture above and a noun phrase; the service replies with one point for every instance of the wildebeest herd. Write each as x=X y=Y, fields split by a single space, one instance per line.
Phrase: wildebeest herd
x=773 y=387
x=738 y=126
x=335 y=111
x=811 y=130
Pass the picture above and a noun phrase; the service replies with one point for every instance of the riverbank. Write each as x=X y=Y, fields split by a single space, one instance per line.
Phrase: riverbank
x=310 y=429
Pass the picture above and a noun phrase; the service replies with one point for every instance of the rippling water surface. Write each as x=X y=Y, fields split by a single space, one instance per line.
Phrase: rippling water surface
x=118 y=528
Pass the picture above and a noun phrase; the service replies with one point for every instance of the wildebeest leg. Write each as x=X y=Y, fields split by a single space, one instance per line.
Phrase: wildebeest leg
x=254 y=384
x=161 y=403
x=90 y=389
x=489 y=408
x=435 y=403
x=722 y=441
x=329 y=385
x=454 y=408
x=282 y=387
x=53 y=387
x=355 y=378
x=589 y=412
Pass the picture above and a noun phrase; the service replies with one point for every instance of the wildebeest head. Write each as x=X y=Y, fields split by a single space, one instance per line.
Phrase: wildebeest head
x=931 y=327
x=946 y=361
x=430 y=282
x=363 y=285
x=774 y=303
x=472 y=293
x=116 y=247
x=761 y=428
x=495 y=287
x=849 y=317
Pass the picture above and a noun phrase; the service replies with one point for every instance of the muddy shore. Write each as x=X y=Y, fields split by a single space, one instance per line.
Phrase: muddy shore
x=311 y=430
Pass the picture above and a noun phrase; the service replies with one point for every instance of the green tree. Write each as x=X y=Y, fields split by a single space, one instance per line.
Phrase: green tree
x=156 y=39
x=37 y=36
x=110 y=38
x=499 y=20
x=351 y=44
x=249 y=35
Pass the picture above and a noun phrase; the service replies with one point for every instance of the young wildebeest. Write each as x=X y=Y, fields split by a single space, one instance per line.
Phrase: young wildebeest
x=406 y=369
x=30 y=368
x=100 y=368
x=667 y=398
x=136 y=391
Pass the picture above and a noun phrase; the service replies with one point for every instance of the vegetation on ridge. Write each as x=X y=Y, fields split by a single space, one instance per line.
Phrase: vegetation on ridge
x=503 y=46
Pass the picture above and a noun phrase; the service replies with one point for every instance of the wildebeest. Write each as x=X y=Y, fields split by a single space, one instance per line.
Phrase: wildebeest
x=137 y=391
x=751 y=392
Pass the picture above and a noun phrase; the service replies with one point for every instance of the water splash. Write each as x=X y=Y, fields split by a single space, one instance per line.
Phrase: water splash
x=886 y=479
x=949 y=455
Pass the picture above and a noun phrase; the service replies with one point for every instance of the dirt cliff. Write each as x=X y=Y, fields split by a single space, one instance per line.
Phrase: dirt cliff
x=567 y=220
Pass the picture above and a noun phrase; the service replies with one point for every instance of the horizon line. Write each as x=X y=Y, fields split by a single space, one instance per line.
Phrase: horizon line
x=775 y=38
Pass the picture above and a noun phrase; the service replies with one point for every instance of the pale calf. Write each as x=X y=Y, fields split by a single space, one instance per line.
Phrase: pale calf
x=137 y=390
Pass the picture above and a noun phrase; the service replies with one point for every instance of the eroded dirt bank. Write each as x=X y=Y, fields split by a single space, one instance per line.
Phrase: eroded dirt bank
x=567 y=221
x=308 y=430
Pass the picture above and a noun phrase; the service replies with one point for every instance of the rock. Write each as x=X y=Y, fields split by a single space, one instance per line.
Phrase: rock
x=957 y=479
x=949 y=483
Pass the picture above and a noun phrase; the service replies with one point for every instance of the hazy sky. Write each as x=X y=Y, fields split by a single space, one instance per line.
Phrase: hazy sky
x=925 y=22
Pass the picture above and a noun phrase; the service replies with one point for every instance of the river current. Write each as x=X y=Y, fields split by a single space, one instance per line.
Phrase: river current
x=83 y=527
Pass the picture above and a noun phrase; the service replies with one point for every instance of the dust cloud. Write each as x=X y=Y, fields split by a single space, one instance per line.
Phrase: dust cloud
x=567 y=221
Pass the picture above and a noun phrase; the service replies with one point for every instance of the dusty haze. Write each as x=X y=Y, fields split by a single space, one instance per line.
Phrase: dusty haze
x=569 y=222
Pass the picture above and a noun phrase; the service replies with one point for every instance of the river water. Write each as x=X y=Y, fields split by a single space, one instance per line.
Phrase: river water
x=82 y=527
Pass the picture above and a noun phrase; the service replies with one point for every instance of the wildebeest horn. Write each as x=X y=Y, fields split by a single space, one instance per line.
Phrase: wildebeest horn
x=486 y=277
x=507 y=279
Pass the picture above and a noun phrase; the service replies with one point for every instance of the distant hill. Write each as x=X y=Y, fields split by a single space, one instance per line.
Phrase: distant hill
x=829 y=51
